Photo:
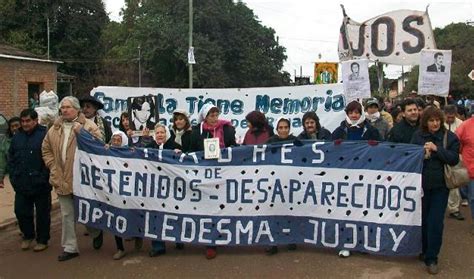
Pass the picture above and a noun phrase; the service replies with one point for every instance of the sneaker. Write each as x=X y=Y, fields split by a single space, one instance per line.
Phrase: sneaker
x=272 y=250
x=456 y=215
x=65 y=256
x=40 y=247
x=211 y=253
x=98 y=241
x=344 y=253
x=25 y=244
x=119 y=254
x=464 y=203
x=138 y=244
x=433 y=269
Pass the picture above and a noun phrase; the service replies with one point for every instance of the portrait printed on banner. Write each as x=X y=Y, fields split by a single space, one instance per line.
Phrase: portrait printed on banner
x=435 y=72
x=355 y=71
x=143 y=113
x=437 y=66
x=355 y=79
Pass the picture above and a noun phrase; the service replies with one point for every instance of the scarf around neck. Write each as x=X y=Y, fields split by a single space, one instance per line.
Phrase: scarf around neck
x=216 y=131
x=357 y=124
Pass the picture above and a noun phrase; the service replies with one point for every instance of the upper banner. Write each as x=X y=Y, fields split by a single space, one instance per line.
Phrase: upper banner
x=394 y=38
x=344 y=196
x=292 y=102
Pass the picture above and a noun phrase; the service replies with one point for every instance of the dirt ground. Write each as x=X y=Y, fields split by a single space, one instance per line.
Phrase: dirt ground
x=456 y=260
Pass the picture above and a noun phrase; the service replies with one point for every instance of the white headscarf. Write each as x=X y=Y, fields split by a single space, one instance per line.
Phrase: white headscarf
x=278 y=121
x=204 y=111
x=123 y=136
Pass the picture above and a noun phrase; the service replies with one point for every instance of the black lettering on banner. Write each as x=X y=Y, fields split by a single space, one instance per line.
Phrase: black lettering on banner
x=415 y=32
x=387 y=21
x=359 y=51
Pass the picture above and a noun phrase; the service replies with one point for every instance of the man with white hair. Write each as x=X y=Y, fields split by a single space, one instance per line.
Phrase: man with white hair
x=58 y=148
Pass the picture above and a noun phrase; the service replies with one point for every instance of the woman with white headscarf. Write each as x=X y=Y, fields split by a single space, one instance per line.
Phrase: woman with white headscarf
x=210 y=126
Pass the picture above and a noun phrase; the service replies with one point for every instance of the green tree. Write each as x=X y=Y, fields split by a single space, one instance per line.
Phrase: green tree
x=75 y=31
x=232 y=48
x=459 y=37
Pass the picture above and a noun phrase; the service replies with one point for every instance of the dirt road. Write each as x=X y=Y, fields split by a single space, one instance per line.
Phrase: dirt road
x=456 y=260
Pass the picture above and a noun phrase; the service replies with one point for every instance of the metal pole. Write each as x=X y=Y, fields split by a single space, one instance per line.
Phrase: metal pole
x=47 y=31
x=139 y=67
x=190 y=41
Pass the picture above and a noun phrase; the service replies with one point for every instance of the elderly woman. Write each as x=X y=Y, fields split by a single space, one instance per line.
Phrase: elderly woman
x=259 y=131
x=435 y=193
x=283 y=134
x=210 y=126
x=119 y=139
x=161 y=140
x=312 y=128
x=354 y=128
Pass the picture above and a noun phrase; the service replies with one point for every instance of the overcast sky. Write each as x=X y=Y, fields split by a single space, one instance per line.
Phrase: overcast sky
x=309 y=28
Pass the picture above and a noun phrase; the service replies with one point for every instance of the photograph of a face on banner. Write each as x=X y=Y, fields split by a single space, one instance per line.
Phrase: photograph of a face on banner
x=143 y=113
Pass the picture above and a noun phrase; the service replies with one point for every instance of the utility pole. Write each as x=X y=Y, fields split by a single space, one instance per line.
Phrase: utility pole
x=139 y=67
x=190 y=41
x=47 y=31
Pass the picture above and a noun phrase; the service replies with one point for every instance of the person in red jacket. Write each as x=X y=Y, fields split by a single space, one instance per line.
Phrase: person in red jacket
x=465 y=133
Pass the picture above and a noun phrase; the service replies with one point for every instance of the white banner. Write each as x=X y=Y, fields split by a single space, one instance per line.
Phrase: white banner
x=395 y=37
x=328 y=101
x=355 y=77
x=435 y=72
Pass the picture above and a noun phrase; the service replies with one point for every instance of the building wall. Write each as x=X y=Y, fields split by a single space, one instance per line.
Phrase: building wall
x=15 y=75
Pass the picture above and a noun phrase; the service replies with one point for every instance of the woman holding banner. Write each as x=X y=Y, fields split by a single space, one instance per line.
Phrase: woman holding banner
x=259 y=131
x=210 y=126
x=313 y=129
x=181 y=130
x=354 y=128
x=435 y=193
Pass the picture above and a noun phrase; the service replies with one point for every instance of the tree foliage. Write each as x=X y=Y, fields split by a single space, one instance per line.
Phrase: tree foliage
x=459 y=37
x=231 y=47
x=75 y=32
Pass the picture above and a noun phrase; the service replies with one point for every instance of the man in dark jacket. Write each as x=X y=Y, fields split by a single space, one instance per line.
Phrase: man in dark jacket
x=312 y=128
x=403 y=131
x=29 y=177
x=90 y=106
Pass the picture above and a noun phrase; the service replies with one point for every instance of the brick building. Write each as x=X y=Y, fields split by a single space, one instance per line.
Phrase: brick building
x=21 y=75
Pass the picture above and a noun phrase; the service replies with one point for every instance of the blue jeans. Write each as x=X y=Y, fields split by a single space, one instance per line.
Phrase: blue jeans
x=434 y=203
x=470 y=189
x=158 y=245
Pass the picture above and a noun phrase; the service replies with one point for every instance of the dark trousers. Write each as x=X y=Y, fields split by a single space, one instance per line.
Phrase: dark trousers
x=434 y=206
x=157 y=245
x=119 y=243
x=25 y=207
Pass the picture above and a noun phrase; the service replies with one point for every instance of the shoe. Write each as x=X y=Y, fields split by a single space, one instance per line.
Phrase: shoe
x=211 y=253
x=65 y=256
x=119 y=254
x=40 y=247
x=292 y=247
x=25 y=244
x=421 y=257
x=156 y=253
x=433 y=269
x=464 y=203
x=180 y=246
x=272 y=250
x=98 y=241
x=138 y=244
x=344 y=253
x=457 y=216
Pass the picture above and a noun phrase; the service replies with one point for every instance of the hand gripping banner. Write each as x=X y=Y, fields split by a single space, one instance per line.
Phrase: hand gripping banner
x=348 y=195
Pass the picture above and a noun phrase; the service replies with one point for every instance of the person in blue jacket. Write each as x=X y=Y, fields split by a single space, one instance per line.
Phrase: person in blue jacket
x=29 y=177
x=435 y=193
x=355 y=127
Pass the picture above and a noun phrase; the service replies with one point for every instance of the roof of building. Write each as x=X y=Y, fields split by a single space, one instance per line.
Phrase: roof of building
x=10 y=52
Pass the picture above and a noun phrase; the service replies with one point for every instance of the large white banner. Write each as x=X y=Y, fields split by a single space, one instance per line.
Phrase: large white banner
x=395 y=37
x=435 y=72
x=328 y=101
